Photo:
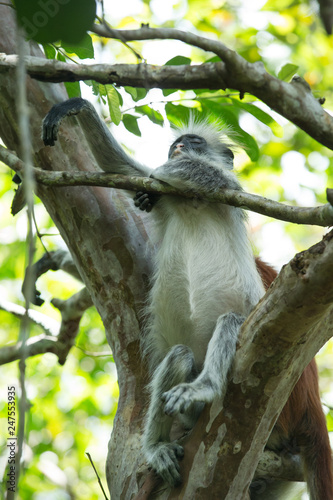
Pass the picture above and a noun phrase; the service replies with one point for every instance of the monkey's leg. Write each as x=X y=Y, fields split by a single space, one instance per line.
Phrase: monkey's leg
x=177 y=367
x=212 y=381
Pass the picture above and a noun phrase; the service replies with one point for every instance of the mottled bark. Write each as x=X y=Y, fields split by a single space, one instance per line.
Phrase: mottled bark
x=106 y=238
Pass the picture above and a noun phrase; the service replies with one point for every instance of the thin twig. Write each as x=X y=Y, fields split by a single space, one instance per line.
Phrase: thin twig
x=98 y=478
x=108 y=29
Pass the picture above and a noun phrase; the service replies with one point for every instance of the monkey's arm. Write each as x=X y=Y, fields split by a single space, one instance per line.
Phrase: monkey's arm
x=197 y=172
x=108 y=153
x=191 y=171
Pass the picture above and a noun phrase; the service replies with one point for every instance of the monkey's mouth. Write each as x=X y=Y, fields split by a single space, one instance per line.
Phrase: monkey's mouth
x=176 y=152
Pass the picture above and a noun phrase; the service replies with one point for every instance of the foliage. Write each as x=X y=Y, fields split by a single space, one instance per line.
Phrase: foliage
x=73 y=406
x=46 y=21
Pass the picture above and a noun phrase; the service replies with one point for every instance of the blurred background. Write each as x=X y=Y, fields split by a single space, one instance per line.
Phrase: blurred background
x=73 y=406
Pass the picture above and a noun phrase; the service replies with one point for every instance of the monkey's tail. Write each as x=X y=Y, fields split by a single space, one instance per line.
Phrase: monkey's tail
x=314 y=443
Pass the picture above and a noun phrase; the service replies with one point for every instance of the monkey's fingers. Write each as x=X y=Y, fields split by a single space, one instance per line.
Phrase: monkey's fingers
x=165 y=462
x=50 y=132
x=142 y=201
x=56 y=114
x=138 y=195
x=179 y=399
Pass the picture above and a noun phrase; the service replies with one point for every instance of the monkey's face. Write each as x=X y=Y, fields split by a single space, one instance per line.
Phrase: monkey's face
x=187 y=142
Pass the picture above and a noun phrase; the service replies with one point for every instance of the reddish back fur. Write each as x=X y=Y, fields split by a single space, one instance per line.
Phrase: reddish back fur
x=302 y=421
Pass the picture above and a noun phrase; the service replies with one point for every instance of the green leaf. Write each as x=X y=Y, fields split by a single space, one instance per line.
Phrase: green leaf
x=60 y=57
x=102 y=89
x=213 y=59
x=167 y=92
x=141 y=94
x=131 y=123
x=136 y=93
x=287 y=72
x=47 y=21
x=329 y=421
x=120 y=97
x=260 y=115
x=49 y=50
x=73 y=89
x=132 y=91
x=199 y=92
x=228 y=115
x=153 y=115
x=178 y=61
x=114 y=104
x=177 y=114
x=84 y=49
x=94 y=86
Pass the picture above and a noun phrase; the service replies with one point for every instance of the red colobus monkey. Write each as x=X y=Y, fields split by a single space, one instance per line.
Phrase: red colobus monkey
x=205 y=283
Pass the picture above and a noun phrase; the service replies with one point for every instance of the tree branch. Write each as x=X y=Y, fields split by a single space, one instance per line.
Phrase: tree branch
x=284 y=466
x=60 y=344
x=209 y=75
x=296 y=312
x=38 y=344
x=49 y=325
x=292 y=100
x=321 y=216
x=271 y=466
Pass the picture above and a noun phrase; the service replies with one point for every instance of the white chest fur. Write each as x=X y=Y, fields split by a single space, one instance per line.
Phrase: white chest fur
x=204 y=268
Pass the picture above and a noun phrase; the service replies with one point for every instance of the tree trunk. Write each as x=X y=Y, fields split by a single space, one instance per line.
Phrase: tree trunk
x=107 y=241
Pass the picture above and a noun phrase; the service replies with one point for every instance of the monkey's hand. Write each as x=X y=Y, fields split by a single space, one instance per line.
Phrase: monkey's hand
x=145 y=201
x=182 y=397
x=163 y=458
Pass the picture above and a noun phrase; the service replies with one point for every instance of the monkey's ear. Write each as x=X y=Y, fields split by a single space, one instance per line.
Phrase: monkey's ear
x=17 y=179
x=229 y=154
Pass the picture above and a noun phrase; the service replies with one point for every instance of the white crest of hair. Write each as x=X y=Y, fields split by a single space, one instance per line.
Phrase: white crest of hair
x=214 y=133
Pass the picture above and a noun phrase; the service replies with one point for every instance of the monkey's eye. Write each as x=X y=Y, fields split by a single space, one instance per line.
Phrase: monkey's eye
x=195 y=139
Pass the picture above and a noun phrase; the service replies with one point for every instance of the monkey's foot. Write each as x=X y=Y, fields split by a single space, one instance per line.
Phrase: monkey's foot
x=181 y=397
x=164 y=460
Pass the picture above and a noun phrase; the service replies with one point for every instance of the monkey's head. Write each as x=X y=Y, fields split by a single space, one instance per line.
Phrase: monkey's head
x=188 y=142
x=203 y=138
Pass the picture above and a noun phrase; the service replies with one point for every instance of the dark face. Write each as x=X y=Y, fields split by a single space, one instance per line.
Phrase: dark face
x=187 y=142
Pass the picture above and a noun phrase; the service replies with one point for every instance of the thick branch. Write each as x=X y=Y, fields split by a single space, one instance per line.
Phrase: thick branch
x=291 y=100
x=186 y=77
x=284 y=466
x=297 y=312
